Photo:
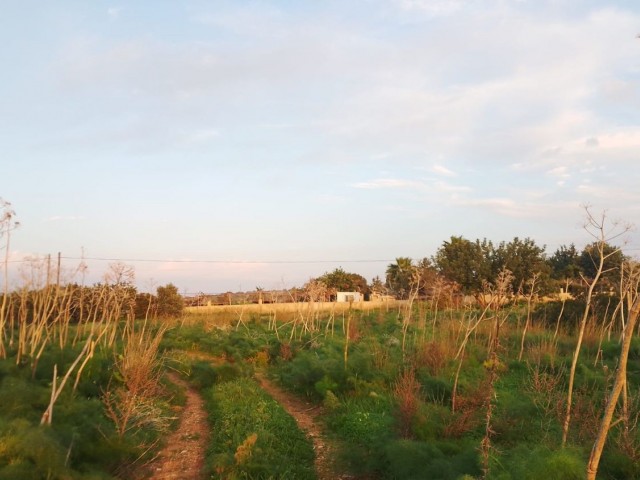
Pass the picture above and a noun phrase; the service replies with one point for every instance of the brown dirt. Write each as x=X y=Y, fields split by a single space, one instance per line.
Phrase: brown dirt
x=183 y=456
x=308 y=417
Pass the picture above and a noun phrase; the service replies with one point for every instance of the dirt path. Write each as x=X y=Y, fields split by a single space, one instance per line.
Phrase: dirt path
x=183 y=456
x=308 y=417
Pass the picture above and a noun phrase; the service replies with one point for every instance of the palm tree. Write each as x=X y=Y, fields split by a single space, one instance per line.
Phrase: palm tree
x=399 y=277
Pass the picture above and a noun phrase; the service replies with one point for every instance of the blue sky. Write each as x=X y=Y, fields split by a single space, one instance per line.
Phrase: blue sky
x=312 y=131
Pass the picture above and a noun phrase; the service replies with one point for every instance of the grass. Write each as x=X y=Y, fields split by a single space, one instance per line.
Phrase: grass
x=253 y=437
x=388 y=429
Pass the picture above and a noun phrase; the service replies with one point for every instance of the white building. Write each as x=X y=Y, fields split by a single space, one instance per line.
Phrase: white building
x=348 y=297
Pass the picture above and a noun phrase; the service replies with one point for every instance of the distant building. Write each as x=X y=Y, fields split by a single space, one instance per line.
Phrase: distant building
x=380 y=297
x=348 y=297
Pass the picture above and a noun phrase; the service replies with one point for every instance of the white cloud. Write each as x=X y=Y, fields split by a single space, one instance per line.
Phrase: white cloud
x=201 y=136
x=446 y=187
x=561 y=171
x=442 y=170
x=388 y=183
x=114 y=12
x=59 y=218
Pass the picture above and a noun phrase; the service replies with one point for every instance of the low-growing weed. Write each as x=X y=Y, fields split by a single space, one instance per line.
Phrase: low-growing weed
x=253 y=437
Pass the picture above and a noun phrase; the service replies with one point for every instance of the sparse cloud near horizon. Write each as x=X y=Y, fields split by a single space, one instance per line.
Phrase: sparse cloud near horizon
x=387 y=183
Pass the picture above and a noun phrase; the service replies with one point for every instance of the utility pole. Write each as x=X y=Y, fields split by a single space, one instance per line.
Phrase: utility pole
x=58 y=272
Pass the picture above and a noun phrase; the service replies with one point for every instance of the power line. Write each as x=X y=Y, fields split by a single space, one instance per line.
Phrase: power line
x=155 y=260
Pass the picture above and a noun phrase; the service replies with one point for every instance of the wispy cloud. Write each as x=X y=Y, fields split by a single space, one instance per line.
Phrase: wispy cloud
x=60 y=218
x=442 y=170
x=388 y=183
x=432 y=7
x=201 y=136
x=449 y=188
x=114 y=12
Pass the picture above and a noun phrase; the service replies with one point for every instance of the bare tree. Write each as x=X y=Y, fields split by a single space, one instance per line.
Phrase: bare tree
x=603 y=232
x=618 y=386
x=7 y=225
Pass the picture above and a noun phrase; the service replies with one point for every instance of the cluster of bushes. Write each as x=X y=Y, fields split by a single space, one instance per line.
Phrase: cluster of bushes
x=392 y=433
x=80 y=443
x=395 y=424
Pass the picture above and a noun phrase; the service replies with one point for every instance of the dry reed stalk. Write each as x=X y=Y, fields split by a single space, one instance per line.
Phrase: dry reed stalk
x=532 y=292
x=596 y=227
x=130 y=405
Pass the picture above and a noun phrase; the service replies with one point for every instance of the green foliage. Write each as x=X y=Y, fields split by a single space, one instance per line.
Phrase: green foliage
x=33 y=448
x=407 y=459
x=253 y=437
x=203 y=374
x=540 y=463
x=341 y=281
x=565 y=263
x=590 y=260
x=465 y=262
x=170 y=302
x=470 y=264
x=399 y=277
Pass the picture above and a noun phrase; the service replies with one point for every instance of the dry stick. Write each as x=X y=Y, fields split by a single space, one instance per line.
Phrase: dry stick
x=56 y=390
x=534 y=279
x=5 y=227
x=435 y=308
x=602 y=238
x=406 y=319
x=609 y=327
x=620 y=380
x=576 y=354
x=630 y=287
x=461 y=355
x=346 y=337
x=564 y=300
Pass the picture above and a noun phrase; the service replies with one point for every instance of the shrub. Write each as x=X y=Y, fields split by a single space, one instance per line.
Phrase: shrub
x=405 y=393
x=526 y=463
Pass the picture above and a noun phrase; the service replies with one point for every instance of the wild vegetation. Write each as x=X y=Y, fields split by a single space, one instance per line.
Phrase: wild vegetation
x=480 y=370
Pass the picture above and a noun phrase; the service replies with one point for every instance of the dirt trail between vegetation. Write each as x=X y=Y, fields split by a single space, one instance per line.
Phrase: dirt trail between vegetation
x=308 y=416
x=183 y=456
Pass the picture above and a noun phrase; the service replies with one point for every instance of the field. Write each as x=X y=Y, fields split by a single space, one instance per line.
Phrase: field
x=409 y=392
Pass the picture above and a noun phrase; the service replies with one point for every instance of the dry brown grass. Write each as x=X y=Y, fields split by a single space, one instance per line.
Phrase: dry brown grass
x=468 y=415
x=544 y=350
x=406 y=391
x=434 y=355
x=131 y=404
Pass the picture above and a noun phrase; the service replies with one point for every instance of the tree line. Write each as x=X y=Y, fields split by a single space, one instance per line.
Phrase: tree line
x=470 y=266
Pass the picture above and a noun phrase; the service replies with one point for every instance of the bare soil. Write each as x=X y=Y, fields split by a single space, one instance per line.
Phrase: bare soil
x=183 y=456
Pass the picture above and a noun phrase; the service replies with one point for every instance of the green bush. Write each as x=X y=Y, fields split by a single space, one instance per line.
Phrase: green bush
x=526 y=463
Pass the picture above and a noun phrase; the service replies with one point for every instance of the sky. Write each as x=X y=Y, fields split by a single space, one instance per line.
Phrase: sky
x=226 y=145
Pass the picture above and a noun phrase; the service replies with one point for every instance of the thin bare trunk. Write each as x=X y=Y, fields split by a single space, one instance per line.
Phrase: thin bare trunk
x=620 y=380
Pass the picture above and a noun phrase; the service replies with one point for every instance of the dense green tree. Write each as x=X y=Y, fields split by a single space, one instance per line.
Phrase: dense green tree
x=146 y=305
x=341 y=281
x=170 y=302
x=399 y=277
x=590 y=259
x=465 y=262
x=523 y=258
x=565 y=263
